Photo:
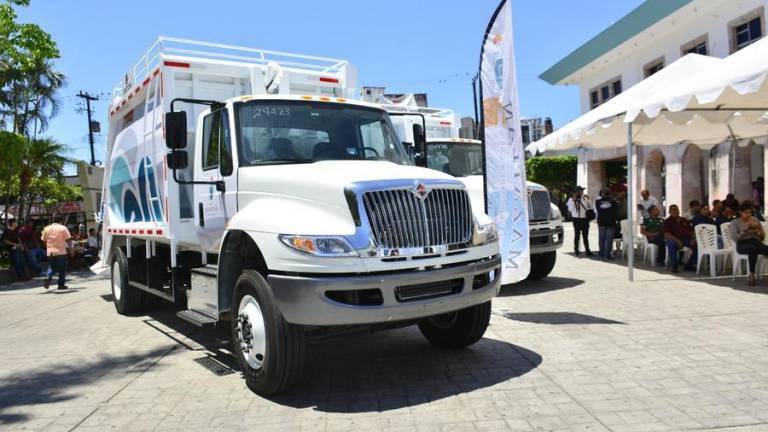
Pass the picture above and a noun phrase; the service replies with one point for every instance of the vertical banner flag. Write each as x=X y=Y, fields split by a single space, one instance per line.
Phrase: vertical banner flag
x=506 y=191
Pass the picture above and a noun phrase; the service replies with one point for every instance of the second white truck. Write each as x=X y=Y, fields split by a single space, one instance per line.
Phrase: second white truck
x=463 y=159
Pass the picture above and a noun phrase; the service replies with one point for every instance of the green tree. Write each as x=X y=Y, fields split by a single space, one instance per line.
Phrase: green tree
x=557 y=173
x=28 y=81
x=42 y=159
x=12 y=146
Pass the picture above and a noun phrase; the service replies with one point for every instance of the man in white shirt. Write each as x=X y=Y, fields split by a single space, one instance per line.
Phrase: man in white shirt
x=579 y=206
x=646 y=203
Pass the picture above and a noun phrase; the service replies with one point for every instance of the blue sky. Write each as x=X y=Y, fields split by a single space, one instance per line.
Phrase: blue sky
x=406 y=45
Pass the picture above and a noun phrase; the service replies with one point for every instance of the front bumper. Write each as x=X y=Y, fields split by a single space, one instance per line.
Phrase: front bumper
x=303 y=300
x=546 y=239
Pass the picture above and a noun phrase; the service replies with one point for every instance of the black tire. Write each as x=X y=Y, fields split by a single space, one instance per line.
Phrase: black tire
x=541 y=265
x=458 y=329
x=128 y=300
x=283 y=362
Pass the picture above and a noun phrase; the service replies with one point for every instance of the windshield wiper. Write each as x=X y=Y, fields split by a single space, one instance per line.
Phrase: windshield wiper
x=282 y=161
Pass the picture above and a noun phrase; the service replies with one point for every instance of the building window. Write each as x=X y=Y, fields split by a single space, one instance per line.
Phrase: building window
x=747 y=29
x=604 y=92
x=653 y=67
x=696 y=46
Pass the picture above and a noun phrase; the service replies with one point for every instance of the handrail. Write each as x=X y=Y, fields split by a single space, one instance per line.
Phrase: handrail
x=169 y=45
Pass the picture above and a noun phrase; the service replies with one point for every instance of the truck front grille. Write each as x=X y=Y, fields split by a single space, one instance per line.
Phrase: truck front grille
x=400 y=219
x=538 y=205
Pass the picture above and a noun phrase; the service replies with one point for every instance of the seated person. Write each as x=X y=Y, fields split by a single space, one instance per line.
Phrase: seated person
x=679 y=234
x=748 y=234
x=282 y=149
x=92 y=244
x=704 y=216
x=651 y=229
x=693 y=209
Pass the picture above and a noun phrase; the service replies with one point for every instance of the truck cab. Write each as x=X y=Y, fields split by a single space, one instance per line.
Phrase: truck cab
x=463 y=159
x=246 y=187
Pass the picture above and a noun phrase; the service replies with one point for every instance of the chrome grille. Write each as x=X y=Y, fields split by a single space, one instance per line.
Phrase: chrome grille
x=538 y=205
x=399 y=219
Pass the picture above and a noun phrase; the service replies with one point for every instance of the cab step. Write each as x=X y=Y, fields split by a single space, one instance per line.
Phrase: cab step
x=197 y=318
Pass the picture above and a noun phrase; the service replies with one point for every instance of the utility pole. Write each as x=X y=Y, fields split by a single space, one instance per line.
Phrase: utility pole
x=88 y=98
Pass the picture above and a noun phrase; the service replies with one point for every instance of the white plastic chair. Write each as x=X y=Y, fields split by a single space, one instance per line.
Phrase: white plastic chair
x=736 y=258
x=626 y=237
x=650 y=250
x=706 y=246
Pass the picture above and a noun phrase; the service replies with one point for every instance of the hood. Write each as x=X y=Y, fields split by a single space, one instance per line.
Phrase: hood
x=325 y=181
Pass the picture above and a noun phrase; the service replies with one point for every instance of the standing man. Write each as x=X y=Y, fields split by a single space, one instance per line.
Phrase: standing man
x=644 y=204
x=10 y=241
x=580 y=209
x=57 y=238
x=607 y=214
x=679 y=234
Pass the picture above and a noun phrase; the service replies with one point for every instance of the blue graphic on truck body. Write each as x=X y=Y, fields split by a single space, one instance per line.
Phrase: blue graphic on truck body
x=130 y=201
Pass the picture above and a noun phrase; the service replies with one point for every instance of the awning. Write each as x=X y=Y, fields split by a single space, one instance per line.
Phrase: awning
x=697 y=99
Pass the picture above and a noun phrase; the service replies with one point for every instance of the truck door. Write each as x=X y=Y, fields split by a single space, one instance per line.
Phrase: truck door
x=215 y=163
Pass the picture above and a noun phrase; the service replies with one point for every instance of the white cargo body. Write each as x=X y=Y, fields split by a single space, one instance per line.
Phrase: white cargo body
x=177 y=68
x=246 y=186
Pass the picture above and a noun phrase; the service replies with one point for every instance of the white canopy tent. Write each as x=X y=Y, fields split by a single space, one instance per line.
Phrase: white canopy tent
x=697 y=99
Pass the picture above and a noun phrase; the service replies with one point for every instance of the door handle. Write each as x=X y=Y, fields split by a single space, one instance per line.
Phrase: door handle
x=202 y=215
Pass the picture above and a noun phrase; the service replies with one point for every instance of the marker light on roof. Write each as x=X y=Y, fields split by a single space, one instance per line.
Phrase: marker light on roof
x=329 y=80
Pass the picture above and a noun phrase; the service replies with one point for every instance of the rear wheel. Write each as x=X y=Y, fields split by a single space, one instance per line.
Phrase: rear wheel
x=542 y=265
x=457 y=329
x=270 y=351
x=127 y=299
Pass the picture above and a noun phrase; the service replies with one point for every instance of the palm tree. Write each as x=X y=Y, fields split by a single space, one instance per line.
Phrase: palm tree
x=41 y=159
x=29 y=97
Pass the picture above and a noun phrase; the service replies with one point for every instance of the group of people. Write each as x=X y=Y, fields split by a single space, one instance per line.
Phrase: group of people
x=674 y=233
x=609 y=209
x=28 y=248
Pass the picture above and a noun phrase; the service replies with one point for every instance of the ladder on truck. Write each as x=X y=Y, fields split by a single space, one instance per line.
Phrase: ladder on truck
x=151 y=122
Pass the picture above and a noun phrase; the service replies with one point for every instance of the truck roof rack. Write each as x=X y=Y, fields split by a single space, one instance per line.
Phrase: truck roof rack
x=201 y=50
x=438 y=112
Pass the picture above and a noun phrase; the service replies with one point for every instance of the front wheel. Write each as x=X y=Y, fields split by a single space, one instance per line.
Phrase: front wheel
x=542 y=265
x=458 y=329
x=269 y=350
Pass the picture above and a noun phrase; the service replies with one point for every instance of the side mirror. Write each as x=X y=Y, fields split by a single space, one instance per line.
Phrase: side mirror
x=176 y=129
x=177 y=160
x=420 y=145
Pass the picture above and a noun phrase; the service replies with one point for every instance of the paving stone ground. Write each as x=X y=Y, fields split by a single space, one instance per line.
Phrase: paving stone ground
x=584 y=350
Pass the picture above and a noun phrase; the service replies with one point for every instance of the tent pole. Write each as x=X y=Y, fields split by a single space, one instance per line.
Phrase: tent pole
x=734 y=144
x=630 y=211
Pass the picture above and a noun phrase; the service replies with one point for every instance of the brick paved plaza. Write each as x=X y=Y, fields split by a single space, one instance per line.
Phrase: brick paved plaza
x=584 y=350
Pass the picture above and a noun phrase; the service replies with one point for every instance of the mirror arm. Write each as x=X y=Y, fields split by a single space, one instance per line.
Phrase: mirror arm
x=215 y=105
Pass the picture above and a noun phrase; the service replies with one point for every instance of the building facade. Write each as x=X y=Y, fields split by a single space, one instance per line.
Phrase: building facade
x=640 y=44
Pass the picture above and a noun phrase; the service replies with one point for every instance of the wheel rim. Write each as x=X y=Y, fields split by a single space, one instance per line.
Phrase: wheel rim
x=445 y=320
x=251 y=334
x=117 y=289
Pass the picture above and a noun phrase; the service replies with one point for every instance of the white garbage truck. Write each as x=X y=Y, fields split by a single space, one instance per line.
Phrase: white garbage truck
x=246 y=187
x=463 y=159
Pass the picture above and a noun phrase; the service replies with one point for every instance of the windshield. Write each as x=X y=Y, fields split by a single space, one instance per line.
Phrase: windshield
x=456 y=159
x=286 y=132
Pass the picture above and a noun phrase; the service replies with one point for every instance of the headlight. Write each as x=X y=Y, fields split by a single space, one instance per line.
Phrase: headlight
x=485 y=234
x=322 y=246
x=554 y=212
